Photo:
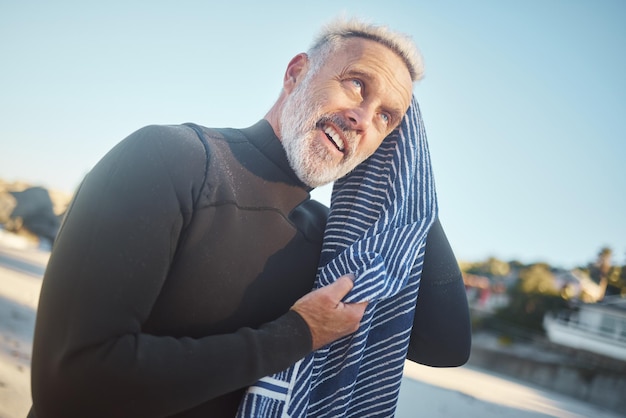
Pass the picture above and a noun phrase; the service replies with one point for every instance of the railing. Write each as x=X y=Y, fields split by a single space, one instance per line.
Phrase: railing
x=572 y=322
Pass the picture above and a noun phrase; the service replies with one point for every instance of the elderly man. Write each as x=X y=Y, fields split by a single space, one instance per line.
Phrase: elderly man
x=183 y=271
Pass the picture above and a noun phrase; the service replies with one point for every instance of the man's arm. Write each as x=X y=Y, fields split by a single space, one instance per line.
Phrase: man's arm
x=441 y=335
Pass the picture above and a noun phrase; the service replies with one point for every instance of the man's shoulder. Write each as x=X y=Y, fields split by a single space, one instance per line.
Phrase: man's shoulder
x=176 y=146
x=186 y=131
x=172 y=138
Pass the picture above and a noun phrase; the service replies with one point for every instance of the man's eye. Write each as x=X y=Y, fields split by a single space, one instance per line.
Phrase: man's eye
x=357 y=83
x=385 y=117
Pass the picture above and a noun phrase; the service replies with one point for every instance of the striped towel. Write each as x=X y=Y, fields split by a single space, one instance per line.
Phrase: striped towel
x=379 y=218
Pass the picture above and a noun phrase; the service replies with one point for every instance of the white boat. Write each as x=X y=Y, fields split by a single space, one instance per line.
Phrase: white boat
x=596 y=327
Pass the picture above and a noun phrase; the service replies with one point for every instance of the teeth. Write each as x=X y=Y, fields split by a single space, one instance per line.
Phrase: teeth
x=334 y=136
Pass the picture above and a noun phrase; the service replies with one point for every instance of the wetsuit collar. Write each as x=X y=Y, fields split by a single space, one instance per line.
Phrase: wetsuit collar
x=262 y=136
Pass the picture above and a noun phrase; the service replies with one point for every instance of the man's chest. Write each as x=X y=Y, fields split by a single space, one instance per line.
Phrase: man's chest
x=234 y=267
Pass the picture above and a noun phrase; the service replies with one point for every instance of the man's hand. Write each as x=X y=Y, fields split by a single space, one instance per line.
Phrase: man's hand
x=327 y=317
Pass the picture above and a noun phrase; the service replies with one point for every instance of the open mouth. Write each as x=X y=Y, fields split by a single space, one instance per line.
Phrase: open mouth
x=334 y=137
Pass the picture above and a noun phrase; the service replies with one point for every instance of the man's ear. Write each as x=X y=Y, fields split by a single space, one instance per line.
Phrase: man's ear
x=296 y=69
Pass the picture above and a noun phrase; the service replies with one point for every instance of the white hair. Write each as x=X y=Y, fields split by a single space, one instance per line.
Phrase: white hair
x=338 y=30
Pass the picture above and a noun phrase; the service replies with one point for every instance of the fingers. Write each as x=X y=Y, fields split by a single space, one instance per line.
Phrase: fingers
x=357 y=309
x=338 y=289
x=326 y=315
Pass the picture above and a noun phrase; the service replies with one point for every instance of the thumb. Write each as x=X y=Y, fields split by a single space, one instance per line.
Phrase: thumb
x=341 y=287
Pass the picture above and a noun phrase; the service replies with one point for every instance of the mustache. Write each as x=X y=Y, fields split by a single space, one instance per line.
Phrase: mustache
x=339 y=121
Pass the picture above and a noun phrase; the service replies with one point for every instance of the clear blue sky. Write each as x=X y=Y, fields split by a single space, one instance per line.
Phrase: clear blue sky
x=524 y=101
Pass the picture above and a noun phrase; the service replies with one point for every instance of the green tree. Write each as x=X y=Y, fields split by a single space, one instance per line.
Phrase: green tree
x=492 y=267
x=537 y=278
x=534 y=294
x=622 y=280
x=617 y=281
x=601 y=270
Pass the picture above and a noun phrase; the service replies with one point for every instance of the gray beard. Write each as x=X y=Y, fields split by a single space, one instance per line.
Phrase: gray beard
x=309 y=159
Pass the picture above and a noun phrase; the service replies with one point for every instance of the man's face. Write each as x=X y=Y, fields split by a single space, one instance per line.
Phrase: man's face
x=336 y=118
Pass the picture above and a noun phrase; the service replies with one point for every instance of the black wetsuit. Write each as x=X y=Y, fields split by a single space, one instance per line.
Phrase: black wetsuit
x=169 y=286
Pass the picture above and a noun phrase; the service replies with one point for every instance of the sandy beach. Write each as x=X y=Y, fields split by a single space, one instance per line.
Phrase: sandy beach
x=21 y=267
x=426 y=392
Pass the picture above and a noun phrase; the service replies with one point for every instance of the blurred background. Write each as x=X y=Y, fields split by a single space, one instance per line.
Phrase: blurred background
x=524 y=104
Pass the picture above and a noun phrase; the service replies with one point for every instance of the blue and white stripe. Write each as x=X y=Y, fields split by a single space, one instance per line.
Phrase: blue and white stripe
x=379 y=217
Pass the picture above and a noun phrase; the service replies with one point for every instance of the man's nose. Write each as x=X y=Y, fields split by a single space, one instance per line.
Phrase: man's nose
x=360 y=117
